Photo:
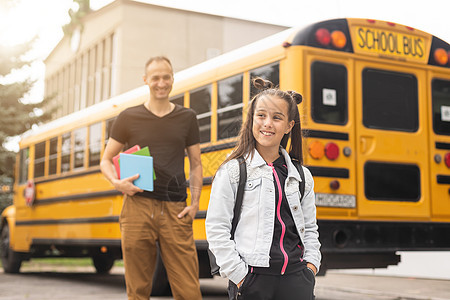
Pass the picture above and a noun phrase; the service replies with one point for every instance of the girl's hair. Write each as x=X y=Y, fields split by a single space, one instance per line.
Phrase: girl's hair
x=247 y=144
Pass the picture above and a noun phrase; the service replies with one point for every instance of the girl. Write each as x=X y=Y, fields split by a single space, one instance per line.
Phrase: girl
x=275 y=252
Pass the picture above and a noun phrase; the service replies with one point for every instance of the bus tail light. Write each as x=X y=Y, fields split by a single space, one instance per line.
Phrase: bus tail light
x=331 y=151
x=323 y=36
x=441 y=56
x=338 y=39
x=334 y=185
x=316 y=150
x=447 y=160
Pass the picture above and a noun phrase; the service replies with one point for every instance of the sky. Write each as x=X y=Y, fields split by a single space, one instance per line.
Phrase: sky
x=44 y=19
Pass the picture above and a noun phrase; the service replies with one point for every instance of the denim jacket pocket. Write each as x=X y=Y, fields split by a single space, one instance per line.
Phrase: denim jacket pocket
x=251 y=192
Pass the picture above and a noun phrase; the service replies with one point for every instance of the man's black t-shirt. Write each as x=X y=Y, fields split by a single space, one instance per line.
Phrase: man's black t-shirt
x=166 y=137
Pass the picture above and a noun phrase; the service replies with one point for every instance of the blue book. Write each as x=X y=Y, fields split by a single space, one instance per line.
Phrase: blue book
x=137 y=164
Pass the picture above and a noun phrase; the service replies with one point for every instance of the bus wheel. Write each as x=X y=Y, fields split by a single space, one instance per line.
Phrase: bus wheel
x=160 y=285
x=103 y=263
x=11 y=260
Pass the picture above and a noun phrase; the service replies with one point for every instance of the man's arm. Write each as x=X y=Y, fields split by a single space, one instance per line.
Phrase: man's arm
x=195 y=179
x=125 y=185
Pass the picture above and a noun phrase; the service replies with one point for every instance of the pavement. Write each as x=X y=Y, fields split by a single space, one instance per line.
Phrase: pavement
x=334 y=285
x=380 y=287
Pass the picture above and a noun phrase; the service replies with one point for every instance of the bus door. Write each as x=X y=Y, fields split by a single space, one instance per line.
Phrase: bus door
x=391 y=141
x=439 y=111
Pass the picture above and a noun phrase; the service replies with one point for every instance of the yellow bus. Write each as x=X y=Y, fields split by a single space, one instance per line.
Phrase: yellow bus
x=376 y=120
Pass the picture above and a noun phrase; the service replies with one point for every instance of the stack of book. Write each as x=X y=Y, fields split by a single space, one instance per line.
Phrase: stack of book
x=136 y=161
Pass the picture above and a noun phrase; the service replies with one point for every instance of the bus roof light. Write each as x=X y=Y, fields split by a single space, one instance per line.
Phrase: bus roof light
x=316 y=150
x=323 y=36
x=331 y=151
x=441 y=56
x=338 y=39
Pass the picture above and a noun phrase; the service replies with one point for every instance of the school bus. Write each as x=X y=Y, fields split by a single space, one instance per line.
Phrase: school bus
x=376 y=121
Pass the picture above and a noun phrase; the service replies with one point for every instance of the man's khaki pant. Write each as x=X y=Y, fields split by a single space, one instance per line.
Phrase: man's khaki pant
x=144 y=221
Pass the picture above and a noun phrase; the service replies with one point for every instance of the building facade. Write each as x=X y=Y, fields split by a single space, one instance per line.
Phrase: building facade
x=105 y=55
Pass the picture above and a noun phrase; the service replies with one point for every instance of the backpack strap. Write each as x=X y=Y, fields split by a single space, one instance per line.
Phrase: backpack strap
x=302 y=176
x=239 y=194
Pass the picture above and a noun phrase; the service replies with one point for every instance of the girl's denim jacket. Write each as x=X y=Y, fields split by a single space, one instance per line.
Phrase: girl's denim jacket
x=254 y=232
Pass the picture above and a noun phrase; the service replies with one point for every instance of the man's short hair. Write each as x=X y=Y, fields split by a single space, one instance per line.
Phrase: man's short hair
x=157 y=58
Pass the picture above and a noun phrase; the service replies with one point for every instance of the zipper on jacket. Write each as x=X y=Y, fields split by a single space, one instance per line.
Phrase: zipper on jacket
x=283 y=226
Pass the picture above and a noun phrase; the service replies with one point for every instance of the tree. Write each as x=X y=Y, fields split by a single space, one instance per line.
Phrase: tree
x=84 y=8
x=16 y=116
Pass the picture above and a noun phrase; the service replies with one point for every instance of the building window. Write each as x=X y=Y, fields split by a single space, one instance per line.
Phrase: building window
x=84 y=80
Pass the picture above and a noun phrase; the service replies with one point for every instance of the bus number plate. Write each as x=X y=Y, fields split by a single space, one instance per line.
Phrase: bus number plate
x=334 y=200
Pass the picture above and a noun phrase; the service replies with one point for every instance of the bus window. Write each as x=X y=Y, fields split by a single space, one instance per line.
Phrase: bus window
x=269 y=72
x=108 y=126
x=200 y=100
x=65 y=153
x=95 y=144
x=329 y=93
x=39 y=160
x=229 y=107
x=79 y=137
x=392 y=182
x=441 y=106
x=23 y=165
x=178 y=99
x=390 y=100
x=53 y=155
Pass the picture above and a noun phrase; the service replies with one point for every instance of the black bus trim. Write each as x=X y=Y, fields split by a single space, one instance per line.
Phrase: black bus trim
x=201 y=214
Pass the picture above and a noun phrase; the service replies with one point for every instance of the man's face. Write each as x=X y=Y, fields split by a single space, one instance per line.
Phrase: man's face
x=159 y=78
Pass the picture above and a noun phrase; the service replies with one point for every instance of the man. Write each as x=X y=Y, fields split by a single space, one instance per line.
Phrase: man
x=162 y=215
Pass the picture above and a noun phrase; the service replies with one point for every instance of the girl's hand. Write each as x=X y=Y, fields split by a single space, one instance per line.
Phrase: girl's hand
x=312 y=267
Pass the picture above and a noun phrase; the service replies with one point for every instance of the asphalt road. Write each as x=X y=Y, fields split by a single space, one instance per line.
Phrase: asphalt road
x=82 y=283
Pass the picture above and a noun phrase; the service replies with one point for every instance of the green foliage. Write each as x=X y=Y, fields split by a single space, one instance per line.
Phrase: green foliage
x=16 y=117
x=75 y=16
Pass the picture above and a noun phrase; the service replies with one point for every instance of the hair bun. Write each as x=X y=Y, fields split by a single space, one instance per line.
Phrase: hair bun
x=262 y=84
x=296 y=96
